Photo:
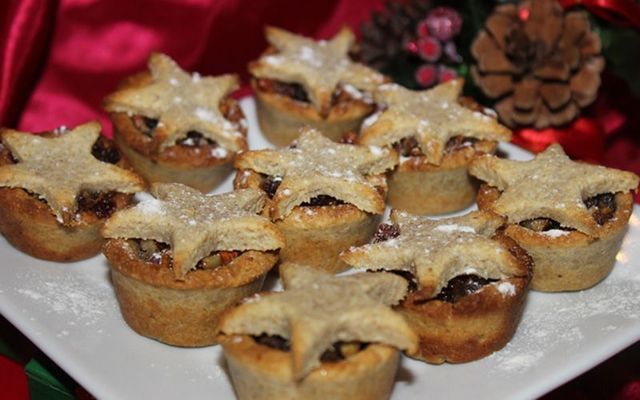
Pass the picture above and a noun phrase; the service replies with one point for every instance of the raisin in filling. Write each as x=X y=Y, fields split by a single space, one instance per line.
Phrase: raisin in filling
x=408 y=147
x=602 y=207
x=322 y=200
x=195 y=139
x=294 y=91
x=270 y=185
x=99 y=203
x=297 y=92
x=337 y=352
x=105 y=151
x=145 y=125
x=385 y=232
x=460 y=286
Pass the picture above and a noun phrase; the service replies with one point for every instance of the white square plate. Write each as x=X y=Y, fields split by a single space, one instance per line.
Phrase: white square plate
x=70 y=312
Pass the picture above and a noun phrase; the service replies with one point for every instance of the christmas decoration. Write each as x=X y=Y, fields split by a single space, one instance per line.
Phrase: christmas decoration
x=543 y=64
x=435 y=45
x=384 y=36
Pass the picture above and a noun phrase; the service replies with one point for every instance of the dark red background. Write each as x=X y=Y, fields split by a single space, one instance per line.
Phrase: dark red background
x=58 y=59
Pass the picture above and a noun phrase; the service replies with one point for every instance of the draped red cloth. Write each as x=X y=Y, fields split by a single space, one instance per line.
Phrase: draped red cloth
x=83 y=48
x=59 y=58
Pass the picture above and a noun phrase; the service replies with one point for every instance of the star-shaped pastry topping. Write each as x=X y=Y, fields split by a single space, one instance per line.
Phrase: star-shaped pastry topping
x=196 y=224
x=58 y=168
x=181 y=102
x=432 y=116
x=436 y=251
x=550 y=186
x=318 y=309
x=319 y=166
x=319 y=66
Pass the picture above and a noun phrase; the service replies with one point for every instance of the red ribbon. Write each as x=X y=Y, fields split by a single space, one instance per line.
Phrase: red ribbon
x=583 y=139
x=620 y=12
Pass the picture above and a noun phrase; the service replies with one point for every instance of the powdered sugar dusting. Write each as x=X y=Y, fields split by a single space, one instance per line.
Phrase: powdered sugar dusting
x=506 y=289
x=455 y=228
x=560 y=321
x=554 y=233
x=76 y=301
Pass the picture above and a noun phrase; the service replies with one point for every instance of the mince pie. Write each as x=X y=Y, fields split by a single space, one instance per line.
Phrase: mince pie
x=324 y=196
x=468 y=281
x=570 y=216
x=57 y=189
x=299 y=82
x=178 y=127
x=436 y=137
x=324 y=337
x=180 y=259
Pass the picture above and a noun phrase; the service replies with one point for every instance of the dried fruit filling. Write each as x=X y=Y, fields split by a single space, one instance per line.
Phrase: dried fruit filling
x=296 y=92
x=99 y=203
x=337 y=352
x=160 y=253
x=270 y=185
x=409 y=146
x=462 y=285
x=602 y=206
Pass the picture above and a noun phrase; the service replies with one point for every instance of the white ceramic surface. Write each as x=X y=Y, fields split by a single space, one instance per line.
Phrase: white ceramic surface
x=70 y=312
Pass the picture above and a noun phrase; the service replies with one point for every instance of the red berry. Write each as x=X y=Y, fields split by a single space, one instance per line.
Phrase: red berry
x=423 y=29
x=446 y=74
x=429 y=48
x=427 y=75
x=444 y=23
x=412 y=47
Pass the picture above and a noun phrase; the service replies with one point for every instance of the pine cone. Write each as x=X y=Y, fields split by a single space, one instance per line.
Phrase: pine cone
x=384 y=36
x=543 y=64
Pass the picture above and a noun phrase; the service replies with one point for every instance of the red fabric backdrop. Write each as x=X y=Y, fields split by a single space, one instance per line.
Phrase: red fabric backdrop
x=59 y=59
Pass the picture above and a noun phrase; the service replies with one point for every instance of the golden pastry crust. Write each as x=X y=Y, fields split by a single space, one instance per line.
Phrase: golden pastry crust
x=434 y=180
x=71 y=231
x=260 y=372
x=28 y=224
x=420 y=187
x=318 y=166
x=477 y=324
x=281 y=117
x=431 y=116
x=197 y=169
x=315 y=235
x=438 y=251
x=550 y=186
x=194 y=224
x=186 y=312
x=179 y=105
x=568 y=260
x=313 y=313
x=320 y=68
